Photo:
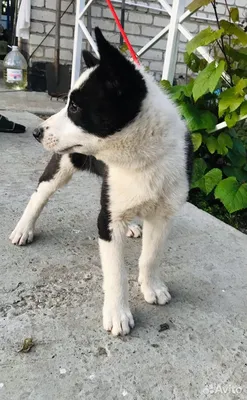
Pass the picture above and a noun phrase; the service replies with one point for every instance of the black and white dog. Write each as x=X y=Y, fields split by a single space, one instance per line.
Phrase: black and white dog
x=118 y=124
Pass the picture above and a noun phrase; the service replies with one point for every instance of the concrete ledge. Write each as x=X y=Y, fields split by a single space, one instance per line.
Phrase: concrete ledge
x=51 y=291
x=35 y=102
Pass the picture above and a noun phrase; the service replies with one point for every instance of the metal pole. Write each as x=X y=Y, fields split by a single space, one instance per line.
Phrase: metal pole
x=77 y=48
x=155 y=39
x=57 y=40
x=172 y=41
x=13 y=13
x=122 y=20
x=1 y=5
x=89 y=25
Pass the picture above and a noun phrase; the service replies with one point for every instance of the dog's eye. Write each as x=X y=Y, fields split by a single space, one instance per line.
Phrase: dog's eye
x=73 y=107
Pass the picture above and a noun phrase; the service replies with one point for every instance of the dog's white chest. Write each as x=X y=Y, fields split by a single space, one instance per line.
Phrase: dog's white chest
x=130 y=193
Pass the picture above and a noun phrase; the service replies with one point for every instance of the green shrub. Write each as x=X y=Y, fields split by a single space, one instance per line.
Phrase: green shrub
x=217 y=94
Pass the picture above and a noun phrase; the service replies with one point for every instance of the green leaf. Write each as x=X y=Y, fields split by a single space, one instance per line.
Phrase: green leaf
x=196 y=140
x=239 y=173
x=240 y=86
x=236 y=159
x=211 y=179
x=241 y=70
x=203 y=64
x=179 y=91
x=208 y=79
x=234 y=14
x=192 y=61
x=224 y=142
x=232 y=29
x=232 y=194
x=208 y=182
x=214 y=79
x=231 y=119
x=198 y=119
x=236 y=54
x=232 y=132
x=199 y=168
x=212 y=144
x=238 y=147
x=243 y=50
x=230 y=99
x=220 y=144
x=243 y=109
x=235 y=79
x=203 y=38
x=124 y=48
x=188 y=88
x=165 y=84
x=196 y=4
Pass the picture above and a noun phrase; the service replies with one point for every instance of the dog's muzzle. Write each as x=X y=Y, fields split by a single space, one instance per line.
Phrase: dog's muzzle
x=38 y=133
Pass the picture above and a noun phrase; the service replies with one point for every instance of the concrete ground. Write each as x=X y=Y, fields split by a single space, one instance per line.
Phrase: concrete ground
x=51 y=291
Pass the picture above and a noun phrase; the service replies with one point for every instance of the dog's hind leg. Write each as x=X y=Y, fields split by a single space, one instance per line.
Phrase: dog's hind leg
x=155 y=231
x=57 y=173
x=134 y=230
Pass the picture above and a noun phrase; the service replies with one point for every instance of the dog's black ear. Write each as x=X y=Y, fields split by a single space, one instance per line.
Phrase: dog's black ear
x=109 y=55
x=101 y=41
x=89 y=59
x=119 y=74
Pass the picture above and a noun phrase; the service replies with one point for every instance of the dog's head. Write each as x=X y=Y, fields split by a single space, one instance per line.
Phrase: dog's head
x=106 y=98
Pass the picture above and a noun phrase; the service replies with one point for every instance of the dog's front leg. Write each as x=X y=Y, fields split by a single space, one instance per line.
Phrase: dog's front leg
x=57 y=173
x=117 y=317
x=155 y=231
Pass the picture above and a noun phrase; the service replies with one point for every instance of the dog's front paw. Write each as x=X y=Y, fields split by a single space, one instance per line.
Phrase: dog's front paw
x=22 y=234
x=117 y=319
x=134 y=231
x=155 y=292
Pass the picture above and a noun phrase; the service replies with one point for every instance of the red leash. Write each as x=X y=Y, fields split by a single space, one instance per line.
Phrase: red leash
x=132 y=52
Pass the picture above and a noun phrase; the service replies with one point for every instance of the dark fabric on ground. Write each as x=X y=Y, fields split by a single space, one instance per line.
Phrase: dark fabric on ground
x=9 y=126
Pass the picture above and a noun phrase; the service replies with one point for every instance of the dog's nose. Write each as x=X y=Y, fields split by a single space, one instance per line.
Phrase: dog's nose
x=38 y=133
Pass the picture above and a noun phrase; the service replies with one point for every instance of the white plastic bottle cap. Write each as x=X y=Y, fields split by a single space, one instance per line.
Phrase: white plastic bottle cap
x=15 y=48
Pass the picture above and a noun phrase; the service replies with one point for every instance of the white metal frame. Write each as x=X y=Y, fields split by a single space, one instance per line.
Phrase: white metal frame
x=177 y=15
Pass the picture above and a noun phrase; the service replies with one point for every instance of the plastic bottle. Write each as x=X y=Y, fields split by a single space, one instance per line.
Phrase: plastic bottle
x=15 y=70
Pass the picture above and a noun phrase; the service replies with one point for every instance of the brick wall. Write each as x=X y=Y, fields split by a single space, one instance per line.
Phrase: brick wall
x=141 y=25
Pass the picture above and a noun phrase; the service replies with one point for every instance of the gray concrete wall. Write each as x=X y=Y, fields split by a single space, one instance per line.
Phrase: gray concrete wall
x=142 y=24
